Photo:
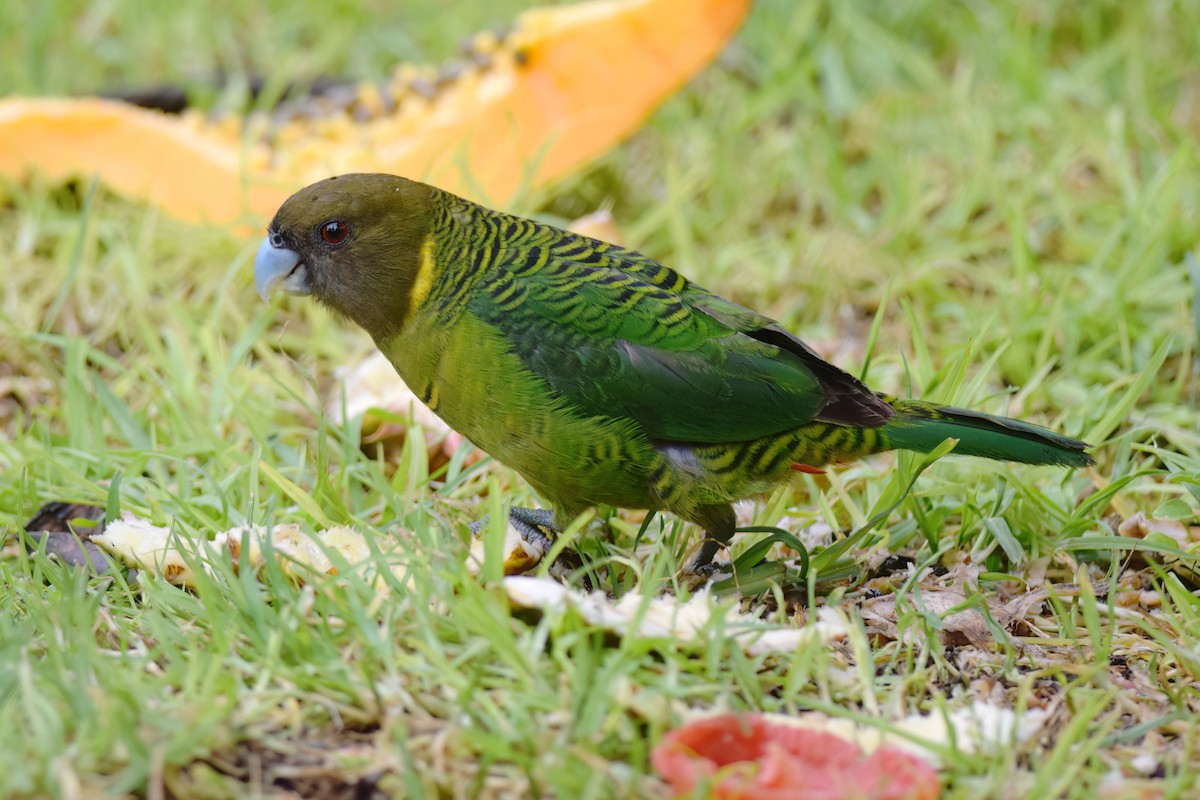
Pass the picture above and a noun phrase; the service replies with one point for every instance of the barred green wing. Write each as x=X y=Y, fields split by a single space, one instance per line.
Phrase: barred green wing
x=616 y=334
x=848 y=401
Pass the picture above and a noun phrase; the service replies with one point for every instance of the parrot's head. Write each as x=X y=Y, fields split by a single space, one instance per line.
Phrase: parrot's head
x=354 y=242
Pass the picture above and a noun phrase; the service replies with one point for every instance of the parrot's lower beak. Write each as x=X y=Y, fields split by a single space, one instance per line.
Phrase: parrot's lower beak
x=279 y=268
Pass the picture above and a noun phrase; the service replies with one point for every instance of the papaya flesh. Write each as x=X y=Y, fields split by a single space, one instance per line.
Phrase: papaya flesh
x=562 y=87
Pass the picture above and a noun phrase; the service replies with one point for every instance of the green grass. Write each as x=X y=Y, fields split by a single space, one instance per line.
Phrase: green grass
x=1012 y=190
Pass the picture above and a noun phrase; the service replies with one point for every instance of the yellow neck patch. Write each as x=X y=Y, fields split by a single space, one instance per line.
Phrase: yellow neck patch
x=423 y=282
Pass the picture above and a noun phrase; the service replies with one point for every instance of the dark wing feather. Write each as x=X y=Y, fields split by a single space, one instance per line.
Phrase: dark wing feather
x=848 y=401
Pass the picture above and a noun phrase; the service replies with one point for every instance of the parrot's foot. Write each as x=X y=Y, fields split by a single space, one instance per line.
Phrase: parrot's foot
x=536 y=526
x=703 y=564
x=718 y=522
x=711 y=569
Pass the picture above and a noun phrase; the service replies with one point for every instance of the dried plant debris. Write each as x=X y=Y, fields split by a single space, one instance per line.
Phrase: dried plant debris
x=76 y=534
x=22 y=391
x=359 y=760
x=1139 y=526
x=65 y=531
x=599 y=225
x=959 y=621
x=1170 y=532
x=329 y=764
x=1007 y=644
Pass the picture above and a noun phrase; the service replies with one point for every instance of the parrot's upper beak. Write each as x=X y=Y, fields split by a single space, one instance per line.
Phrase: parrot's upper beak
x=279 y=268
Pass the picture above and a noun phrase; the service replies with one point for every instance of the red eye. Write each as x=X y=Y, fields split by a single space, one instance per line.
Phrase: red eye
x=334 y=232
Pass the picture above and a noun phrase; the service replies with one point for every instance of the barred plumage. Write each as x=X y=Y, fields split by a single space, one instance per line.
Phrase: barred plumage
x=601 y=375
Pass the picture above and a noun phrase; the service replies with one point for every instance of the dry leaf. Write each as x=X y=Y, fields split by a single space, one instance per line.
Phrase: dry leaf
x=1185 y=537
x=59 y=529
x=967 y=626
x=1139 y=526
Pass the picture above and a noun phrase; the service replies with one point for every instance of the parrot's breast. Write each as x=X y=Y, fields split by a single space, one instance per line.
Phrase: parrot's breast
x=483 y=390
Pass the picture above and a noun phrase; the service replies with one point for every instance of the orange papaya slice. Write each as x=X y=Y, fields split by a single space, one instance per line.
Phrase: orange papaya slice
x=565 y=85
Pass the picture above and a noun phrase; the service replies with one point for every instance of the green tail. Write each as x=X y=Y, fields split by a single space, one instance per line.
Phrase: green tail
x=923 y=426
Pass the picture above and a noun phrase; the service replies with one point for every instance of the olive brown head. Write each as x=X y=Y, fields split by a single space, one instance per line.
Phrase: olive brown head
x=354 y=243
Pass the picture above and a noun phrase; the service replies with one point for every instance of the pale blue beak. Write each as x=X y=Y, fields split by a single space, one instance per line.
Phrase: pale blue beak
x=279 y=268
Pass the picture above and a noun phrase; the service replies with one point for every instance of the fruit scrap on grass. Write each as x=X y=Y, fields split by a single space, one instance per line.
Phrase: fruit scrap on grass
x=176 y=557
x=700 y=620
x=304 y=557
x=299 y=554
x=566 y=84
x=753 y=757
x=372 y=389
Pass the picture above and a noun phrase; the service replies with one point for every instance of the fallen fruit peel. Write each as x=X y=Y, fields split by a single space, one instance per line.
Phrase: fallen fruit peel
x=771 y=757
x=568 y=83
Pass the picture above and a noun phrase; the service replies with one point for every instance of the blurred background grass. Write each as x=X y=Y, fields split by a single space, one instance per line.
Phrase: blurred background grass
x=81 y=46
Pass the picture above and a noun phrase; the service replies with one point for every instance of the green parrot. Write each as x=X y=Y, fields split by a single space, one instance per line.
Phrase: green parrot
x=599 y=374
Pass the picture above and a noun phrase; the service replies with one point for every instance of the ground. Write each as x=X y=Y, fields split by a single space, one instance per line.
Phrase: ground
x=991 y=204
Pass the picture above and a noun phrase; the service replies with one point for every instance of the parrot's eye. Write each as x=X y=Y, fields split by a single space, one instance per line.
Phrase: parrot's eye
x=334 y=232
x=276 y=240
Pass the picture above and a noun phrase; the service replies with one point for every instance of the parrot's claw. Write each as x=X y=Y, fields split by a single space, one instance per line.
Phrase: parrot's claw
x=711 y=569
x=703 y=563
x=536 y=526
